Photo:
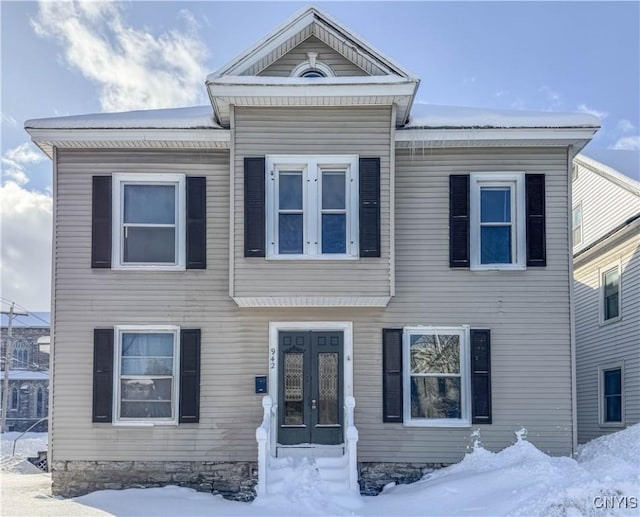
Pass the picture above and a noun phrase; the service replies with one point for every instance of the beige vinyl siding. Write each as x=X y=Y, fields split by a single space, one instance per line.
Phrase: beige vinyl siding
x=315 y=131
x=605 y=205
x=527 y=311
x=611 y=343
x=338 y=63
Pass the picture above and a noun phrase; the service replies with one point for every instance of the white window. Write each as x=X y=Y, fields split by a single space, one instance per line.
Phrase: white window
x=497 y=222
x=611 y=383
x=576 y=224
x=146 y=374
x=312 y=207
x=436 y=376
x=148 y=221
x=610 y=299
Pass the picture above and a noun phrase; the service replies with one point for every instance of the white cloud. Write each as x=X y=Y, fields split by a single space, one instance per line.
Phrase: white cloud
x=552 y=95
x=25 y=269
x=133 y=68
x=8 y=120
x=14 y=162
x=625 y=126
x=627 y=143
x=583 y=108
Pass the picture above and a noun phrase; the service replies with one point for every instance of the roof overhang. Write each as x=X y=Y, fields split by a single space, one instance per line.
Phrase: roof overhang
x=433 y=138
x=48 y=139
x=268 y=92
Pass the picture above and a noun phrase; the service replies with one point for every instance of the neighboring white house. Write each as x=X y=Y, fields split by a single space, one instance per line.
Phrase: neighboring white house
x=606 y=236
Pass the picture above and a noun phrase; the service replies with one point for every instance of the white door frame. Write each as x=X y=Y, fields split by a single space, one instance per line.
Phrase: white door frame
x=346 y=327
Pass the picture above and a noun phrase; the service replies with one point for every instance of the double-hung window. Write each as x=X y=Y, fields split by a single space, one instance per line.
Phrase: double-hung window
x=146 y=374
x=576 y=224
x=497 y=216
x=312 y=207
x=611 y=396
x=149 y=221
x=436 y=376
x=610 y=289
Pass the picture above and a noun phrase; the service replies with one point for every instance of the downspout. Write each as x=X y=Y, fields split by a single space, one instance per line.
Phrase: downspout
x=571 y=153
x=232 y=194
x=52 y=319
x=392 y=209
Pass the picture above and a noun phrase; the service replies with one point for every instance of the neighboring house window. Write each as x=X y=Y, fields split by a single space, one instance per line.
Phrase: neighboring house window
x=146 y=367
x=20 y=355
x=576 y=218
x=436 y=376
x=497 y=220
x=149 y=220
x=40 y=403
x=611 y=399
x=14 y=398
x=312 y=206
x=610 y=288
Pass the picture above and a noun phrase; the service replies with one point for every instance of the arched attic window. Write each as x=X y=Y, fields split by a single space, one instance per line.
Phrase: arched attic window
x=312 y=68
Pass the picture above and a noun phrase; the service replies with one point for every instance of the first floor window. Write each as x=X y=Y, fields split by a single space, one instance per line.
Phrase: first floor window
x=148 y=220
x=610 y=294
x=611 y=382
x=146 y=374
x=436 y=375
x=576 y=224
x=312 y=206
x=497 y=221
x=14 y=398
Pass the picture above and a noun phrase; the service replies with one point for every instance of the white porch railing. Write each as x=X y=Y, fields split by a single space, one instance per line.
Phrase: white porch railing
x=351 y=443
x=263 y=436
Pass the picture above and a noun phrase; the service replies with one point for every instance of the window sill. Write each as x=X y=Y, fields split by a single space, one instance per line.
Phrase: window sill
x=437 y=423
x=611 y=424
x=498 y=267
x=604 y=323
x=144 y=424
x=148 y=268
x=307 y=258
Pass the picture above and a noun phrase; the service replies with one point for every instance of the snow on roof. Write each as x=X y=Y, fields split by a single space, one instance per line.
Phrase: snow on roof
x=26 y=375
x=196 y=117
x=261 y=80
x=431 y=116
x=34 y=319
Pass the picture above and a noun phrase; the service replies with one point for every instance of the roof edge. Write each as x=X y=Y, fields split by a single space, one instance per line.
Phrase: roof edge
x=609 y=173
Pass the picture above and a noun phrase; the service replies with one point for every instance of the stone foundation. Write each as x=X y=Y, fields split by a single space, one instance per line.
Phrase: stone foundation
x=374 y=476
x=232 y=480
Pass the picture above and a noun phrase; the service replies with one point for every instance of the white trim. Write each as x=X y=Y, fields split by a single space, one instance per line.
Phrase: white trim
x=346 y=327
x=307 y=66
x=311 y=167
x=118 y=179
x=617 y=265
x=232 y=202
x=312 y=301
x=392 y=203
x=464 y=331
x=515 y=181
x=117 y=350
x=617 y=365
x=572 y=316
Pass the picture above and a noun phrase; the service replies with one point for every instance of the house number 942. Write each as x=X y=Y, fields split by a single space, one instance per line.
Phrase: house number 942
x=272 y=359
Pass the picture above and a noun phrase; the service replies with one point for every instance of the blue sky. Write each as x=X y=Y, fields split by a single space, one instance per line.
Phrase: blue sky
x=70 y=58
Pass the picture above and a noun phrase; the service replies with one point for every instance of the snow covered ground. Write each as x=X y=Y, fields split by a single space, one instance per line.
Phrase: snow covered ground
x=604 y=479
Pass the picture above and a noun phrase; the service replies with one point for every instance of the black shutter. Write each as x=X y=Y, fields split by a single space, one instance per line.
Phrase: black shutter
x=189 y=376
x=254 y=207
x=369 y=207
x=392 y=375
x=536 y=232
x=196 y=223
x=459 y=220
x=101 y=222
x=481 y=375
x=102 y=375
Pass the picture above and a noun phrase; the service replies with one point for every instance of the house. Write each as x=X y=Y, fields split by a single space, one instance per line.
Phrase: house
x=313 y=265
x=606 y=251
x=28 y=399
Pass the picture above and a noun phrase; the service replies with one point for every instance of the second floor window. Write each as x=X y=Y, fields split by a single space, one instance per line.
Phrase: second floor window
x=576 y=224
x=610 y=287
x=149 y=221
x=20 y=355
x=312 y=207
